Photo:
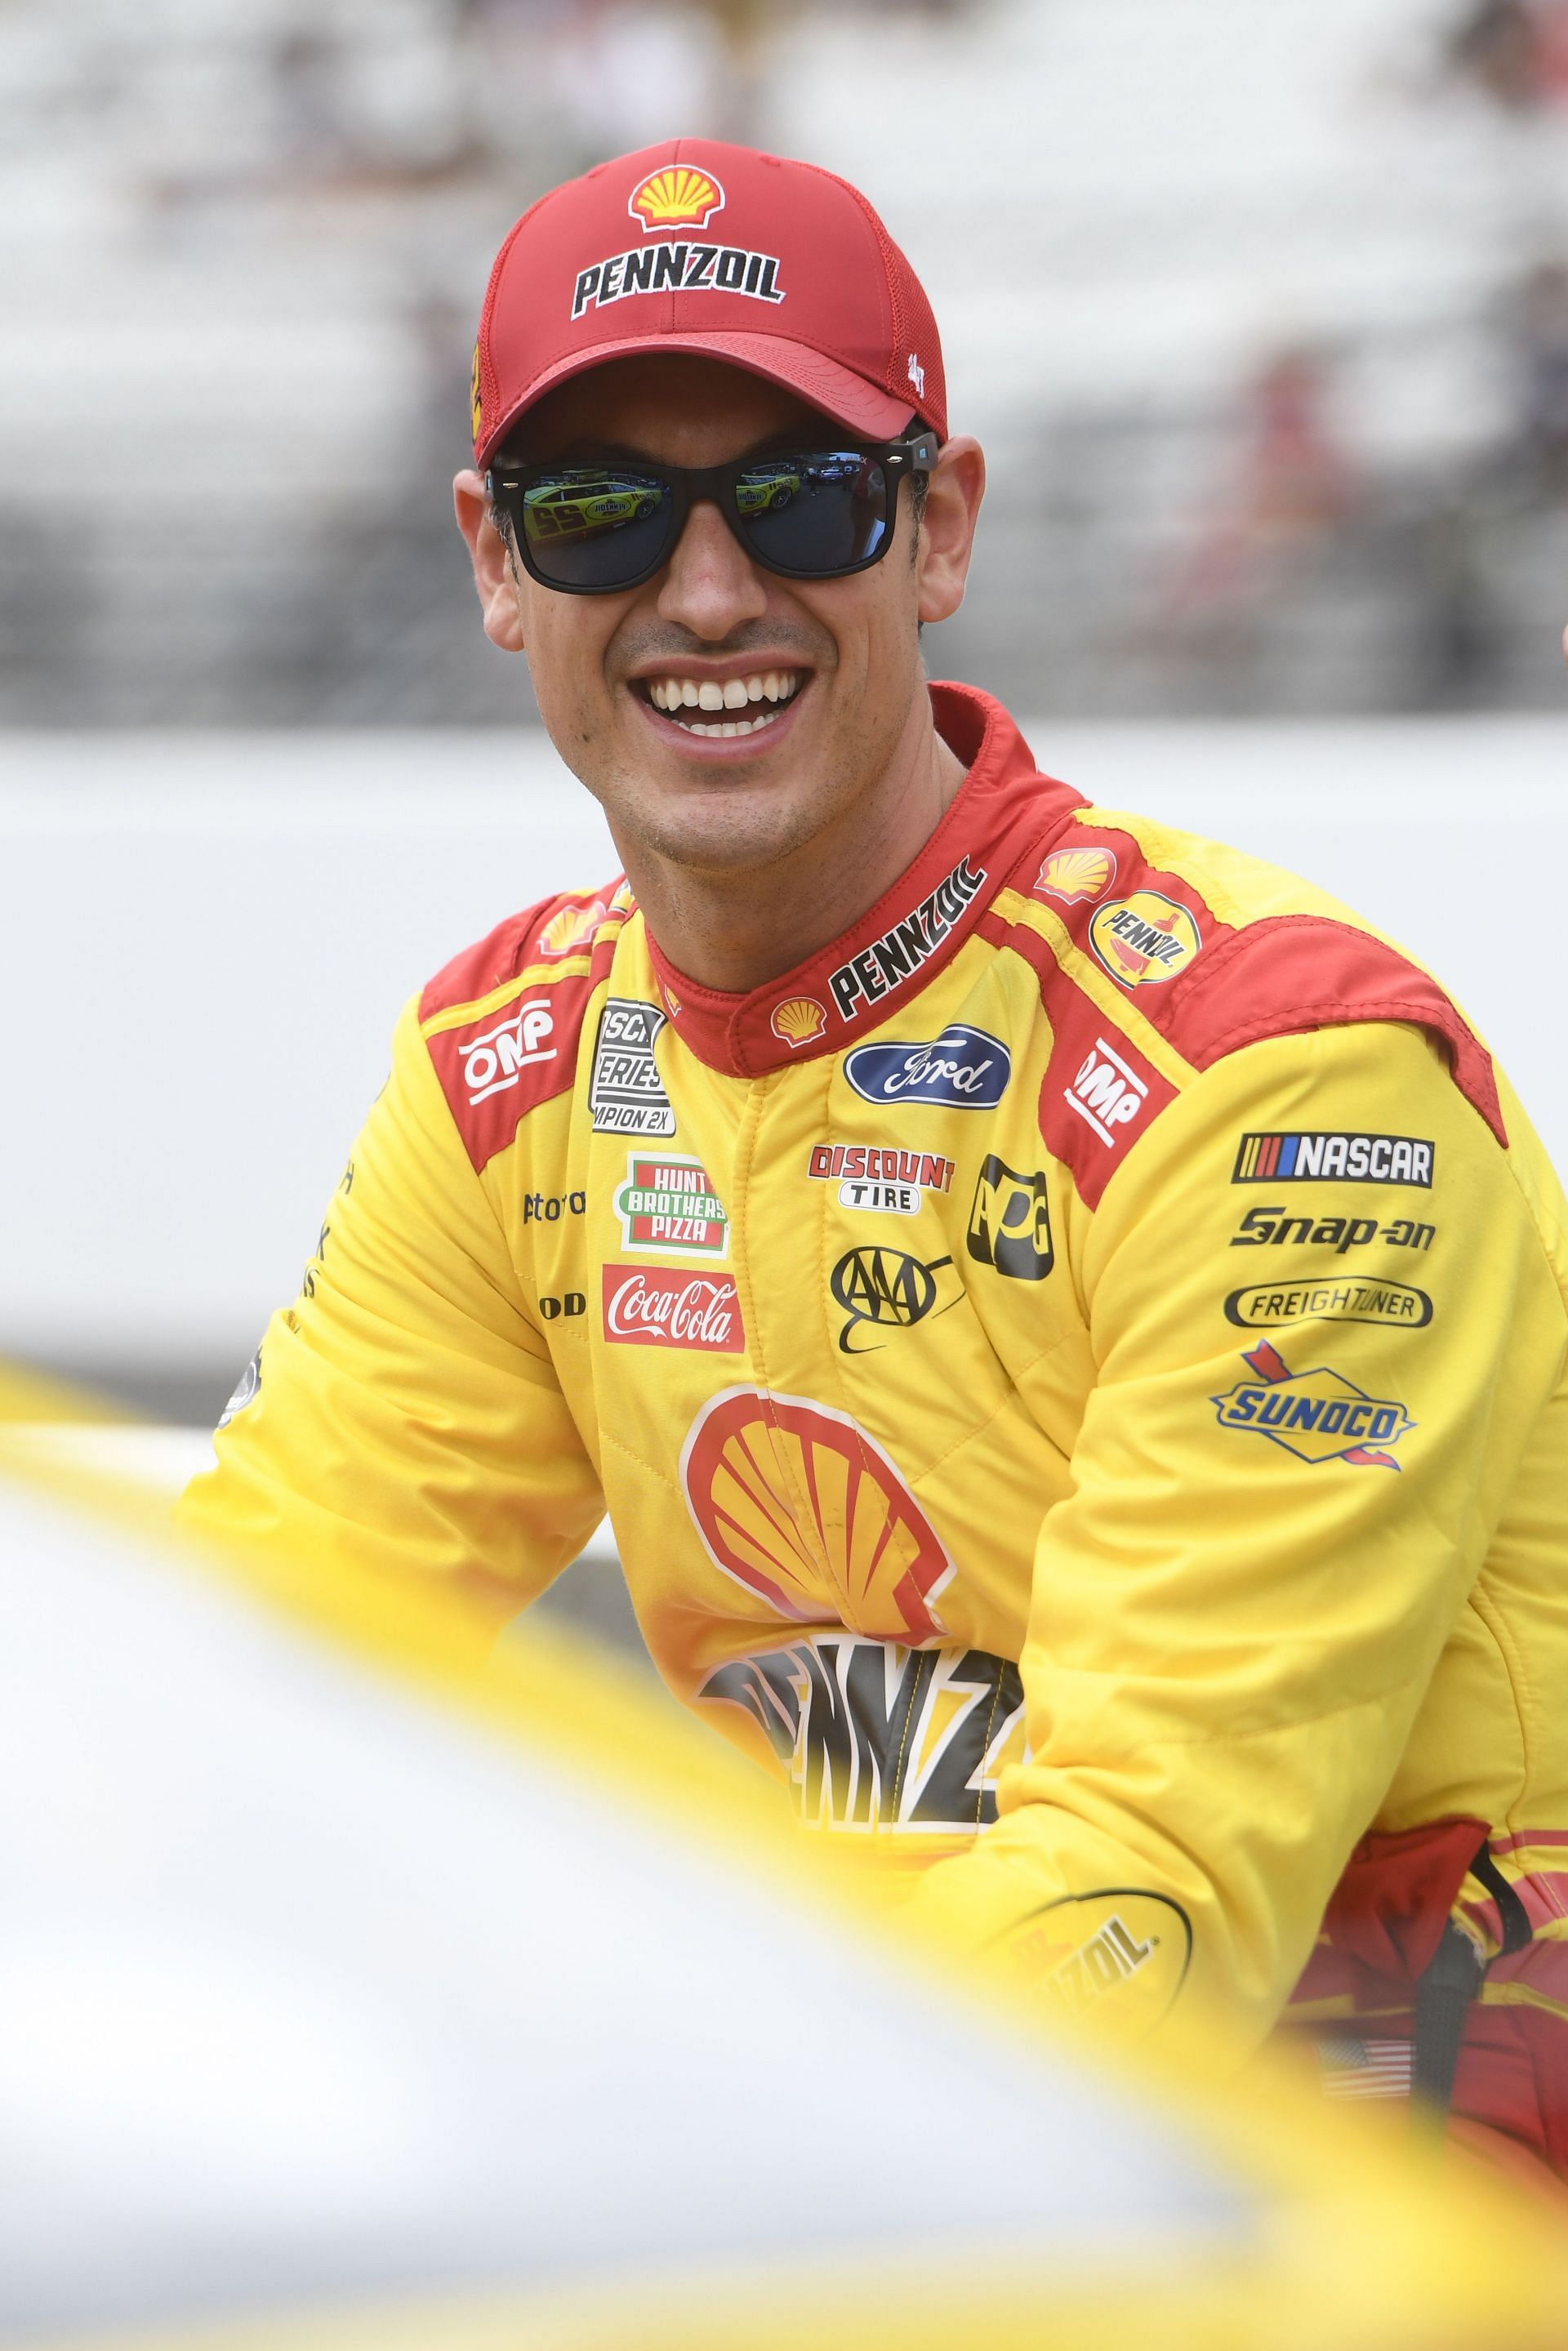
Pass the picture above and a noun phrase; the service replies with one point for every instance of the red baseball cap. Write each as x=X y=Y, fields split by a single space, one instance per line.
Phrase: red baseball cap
x=696 y=246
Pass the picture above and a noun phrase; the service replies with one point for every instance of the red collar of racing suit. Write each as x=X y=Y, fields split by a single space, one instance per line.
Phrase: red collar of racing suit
x=1004 y=811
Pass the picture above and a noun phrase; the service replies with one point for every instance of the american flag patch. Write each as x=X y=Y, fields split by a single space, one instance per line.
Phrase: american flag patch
x=1364 y=2069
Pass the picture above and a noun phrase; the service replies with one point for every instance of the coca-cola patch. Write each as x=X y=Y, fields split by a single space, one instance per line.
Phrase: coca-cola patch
x=658 y=1306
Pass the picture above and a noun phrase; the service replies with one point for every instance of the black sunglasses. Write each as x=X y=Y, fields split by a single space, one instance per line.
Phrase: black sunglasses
x=819 y=514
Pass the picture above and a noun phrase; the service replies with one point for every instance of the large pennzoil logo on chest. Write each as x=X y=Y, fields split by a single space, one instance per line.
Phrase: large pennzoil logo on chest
x=874 y=1735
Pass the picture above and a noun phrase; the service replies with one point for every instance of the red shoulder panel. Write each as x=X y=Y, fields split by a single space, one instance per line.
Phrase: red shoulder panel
x=1211 y=987
x=1099 y=1093
x=1288 y=973
x=561 y=926
x=497 y=1067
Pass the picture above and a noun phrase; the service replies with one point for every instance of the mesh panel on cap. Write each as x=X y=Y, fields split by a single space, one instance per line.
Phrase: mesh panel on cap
x=913 y=320
x=489 y=390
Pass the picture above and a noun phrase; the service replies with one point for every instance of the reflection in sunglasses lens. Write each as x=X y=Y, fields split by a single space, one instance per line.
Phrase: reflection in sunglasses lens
x=818 y=512
x=591 y=527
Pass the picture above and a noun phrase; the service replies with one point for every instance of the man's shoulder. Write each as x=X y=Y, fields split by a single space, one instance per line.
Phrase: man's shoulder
x=1210 y=950
x=501 y=1021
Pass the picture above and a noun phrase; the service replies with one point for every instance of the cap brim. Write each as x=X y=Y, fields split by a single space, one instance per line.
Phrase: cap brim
x=864 y=408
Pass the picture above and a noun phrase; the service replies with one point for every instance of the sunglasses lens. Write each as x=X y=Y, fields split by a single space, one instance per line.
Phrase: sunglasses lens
x=595 y=525
x=815 y=515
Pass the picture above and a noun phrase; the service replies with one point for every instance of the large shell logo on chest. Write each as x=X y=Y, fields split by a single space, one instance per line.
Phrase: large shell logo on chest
x=798 y=1504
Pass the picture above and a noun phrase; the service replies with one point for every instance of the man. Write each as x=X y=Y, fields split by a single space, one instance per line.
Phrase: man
x=1068 y=1326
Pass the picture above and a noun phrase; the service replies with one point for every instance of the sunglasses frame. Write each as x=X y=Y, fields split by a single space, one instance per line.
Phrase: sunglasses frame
x=913 y=457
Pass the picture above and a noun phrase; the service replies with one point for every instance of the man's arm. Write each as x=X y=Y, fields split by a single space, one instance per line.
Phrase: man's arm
x=407 y=1416
x=1278 y=1515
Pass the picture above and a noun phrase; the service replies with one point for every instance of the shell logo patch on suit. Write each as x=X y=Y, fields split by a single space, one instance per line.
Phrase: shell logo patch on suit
x=572 y=929
x=800 y=1505
x=676 y=196
x=799 y=1021
x=1076 y=875
x=1318 y=1416
x=1144 y=939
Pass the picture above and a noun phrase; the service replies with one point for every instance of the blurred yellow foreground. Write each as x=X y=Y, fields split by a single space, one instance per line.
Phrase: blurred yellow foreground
x=363 y=1984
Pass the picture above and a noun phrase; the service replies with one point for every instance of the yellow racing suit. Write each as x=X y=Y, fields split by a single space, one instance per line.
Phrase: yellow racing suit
x=1076 y=1371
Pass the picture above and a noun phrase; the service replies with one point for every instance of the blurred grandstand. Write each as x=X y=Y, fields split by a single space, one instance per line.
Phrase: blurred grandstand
x=1263 y=313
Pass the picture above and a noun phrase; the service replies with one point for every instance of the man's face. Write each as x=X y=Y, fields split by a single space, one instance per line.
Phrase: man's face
x=831 y=668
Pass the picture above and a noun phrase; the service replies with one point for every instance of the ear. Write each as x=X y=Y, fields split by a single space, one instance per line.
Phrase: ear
x=493 y=573
x=953 y=495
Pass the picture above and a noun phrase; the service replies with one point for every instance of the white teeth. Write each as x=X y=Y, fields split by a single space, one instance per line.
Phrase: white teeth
x=730 y=694
x=728 y=726
x=679 y=694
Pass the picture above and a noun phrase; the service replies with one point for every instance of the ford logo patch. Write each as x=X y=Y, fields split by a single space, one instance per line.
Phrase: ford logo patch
x=965 y=1068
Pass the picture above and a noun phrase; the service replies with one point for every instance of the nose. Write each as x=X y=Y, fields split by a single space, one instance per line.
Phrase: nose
x=710 y=584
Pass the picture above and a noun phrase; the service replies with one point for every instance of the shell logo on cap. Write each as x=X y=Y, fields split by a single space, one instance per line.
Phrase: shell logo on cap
x=1076 y=875
x=799 y=1021
x=475 y=405
x=800 y=1506
x=677 y=195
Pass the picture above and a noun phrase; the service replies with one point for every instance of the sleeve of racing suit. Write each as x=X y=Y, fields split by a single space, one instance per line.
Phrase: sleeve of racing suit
x=1232 y=1625
x=406 y=1414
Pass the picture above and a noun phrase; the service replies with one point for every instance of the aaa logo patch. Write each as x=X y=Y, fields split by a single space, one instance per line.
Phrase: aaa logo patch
x=1318 y=1416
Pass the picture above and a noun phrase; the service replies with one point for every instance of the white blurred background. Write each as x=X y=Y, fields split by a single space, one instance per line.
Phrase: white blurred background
x=1262 y=312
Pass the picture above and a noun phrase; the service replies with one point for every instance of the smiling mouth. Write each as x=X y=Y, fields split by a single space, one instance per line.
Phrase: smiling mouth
x=737 y=705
